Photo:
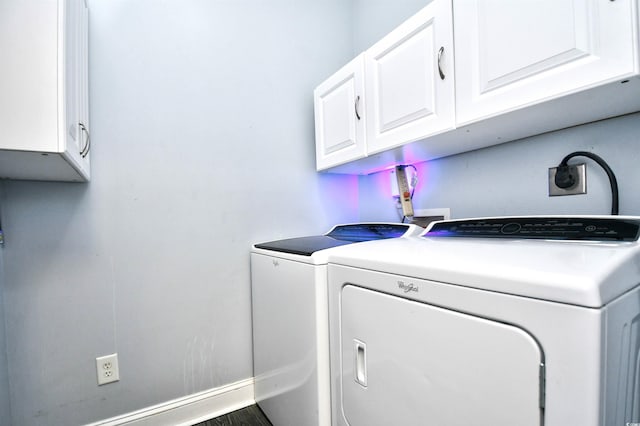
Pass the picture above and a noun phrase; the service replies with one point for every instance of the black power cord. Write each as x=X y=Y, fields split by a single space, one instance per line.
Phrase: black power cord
x=566 y=175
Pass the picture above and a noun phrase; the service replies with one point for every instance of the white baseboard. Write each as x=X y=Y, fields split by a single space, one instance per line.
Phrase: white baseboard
x=191 y=409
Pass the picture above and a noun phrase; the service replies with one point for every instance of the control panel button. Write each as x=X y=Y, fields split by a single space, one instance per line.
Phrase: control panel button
x=511 y=228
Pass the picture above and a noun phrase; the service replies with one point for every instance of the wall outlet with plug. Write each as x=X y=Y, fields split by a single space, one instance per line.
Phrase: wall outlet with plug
x=568 y=180
x=107 y=369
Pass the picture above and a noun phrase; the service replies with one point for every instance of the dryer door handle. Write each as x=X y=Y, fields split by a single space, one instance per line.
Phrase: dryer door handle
x=360 y=361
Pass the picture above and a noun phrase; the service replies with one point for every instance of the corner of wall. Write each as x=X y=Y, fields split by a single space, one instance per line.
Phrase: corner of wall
x=5 y=406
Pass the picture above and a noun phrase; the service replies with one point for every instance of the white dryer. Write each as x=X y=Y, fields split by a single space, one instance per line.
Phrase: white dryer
x=291 y=320
x=522 y=321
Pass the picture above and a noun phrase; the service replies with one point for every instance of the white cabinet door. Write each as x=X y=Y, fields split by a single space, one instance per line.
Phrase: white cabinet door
x=43 y=94
x=511 y=54
x=28 y=87
x=83 y=86
x=410 y=81
x=76 y=134
x=339 y=115
x=409 y=363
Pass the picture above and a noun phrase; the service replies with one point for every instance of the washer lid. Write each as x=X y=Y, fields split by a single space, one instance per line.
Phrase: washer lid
x=304 y=246
x=359 y=232
x=338 y=236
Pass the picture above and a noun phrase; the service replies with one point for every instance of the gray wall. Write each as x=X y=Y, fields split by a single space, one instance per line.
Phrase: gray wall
x=202 y=126
x=5 y=407
x=202 y=130
x=373 y=19
x=511 y=179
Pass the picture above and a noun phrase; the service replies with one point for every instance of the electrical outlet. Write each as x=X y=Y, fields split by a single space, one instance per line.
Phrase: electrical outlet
x=107 y=369
x=580 y=186
x=444 y=212
x=423 y=217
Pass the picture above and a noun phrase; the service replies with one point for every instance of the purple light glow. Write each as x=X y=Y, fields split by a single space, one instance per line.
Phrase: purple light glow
x=385 y=185
x=342 y=191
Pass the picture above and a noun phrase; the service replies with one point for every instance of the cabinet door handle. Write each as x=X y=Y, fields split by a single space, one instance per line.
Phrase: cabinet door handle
x=440 y=52
x=356 y=106
x=87 y=146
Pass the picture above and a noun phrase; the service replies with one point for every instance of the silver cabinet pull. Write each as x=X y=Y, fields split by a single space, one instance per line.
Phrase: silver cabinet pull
x=87 y=146
x=440 y=52
x=356 y=106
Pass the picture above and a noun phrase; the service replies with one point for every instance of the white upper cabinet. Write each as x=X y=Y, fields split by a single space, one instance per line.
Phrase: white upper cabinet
x=44 y=126
x=522 y=68
x=512 y=54
x=339 y=115
x=76 y=96
x=410 y=81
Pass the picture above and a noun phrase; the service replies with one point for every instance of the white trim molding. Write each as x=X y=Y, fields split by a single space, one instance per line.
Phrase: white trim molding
x=190 y=409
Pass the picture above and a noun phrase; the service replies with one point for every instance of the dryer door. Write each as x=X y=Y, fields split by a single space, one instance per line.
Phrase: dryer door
x=409 y=363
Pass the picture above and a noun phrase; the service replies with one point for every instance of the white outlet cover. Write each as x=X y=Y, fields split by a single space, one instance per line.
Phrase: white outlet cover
x=444 y=212
x=107 y=369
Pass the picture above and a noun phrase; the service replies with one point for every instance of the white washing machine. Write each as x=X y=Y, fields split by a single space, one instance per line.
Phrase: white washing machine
x=522 y=321
x=290 y=321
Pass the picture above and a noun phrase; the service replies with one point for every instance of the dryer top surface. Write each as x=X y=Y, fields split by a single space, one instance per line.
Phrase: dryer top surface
x=584 y=273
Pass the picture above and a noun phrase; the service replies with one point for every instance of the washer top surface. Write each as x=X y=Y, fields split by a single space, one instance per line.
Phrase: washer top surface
x=315 y=247
x=587 y=272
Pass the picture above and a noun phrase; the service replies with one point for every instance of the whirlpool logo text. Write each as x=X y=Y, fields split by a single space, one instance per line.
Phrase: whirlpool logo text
x=408 y=287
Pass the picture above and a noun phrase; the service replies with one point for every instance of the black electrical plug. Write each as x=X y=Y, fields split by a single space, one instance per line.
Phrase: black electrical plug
x=566 y=176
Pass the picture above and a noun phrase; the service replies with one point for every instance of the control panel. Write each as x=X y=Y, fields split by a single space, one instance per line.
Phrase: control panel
x=367 y=231
x=548 y=228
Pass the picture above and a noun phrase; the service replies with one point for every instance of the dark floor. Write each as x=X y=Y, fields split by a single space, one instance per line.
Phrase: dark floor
x=250 y=416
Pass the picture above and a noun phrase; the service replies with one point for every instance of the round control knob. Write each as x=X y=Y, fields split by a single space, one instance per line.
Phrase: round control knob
x=510 y=228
